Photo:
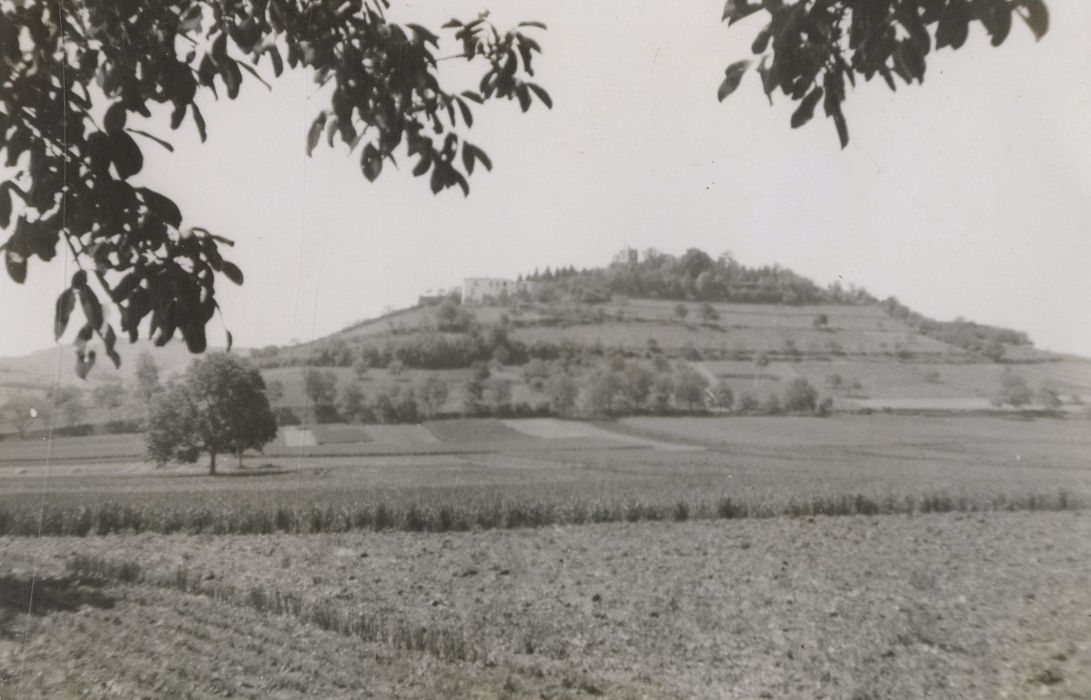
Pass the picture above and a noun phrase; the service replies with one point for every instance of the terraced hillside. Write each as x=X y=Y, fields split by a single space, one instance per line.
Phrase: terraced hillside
x=504 y=357
x=857 y=355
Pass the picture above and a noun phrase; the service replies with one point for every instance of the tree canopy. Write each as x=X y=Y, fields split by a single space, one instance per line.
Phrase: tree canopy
x=73 y=72
x=72 y=182
x=809 y=50
x=219 y=406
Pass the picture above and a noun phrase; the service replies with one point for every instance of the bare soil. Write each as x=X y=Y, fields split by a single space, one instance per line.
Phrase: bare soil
x=982 y=605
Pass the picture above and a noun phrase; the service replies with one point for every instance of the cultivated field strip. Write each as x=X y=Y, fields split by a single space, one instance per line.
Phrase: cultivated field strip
x=952 y=605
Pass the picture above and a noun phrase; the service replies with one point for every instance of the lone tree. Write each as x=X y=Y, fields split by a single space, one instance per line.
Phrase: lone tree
x=18 y=412
x=61 y=61
x=321 y=388
x=689 y=388
x=219 y=406
x=800 y=396
x=432 y=394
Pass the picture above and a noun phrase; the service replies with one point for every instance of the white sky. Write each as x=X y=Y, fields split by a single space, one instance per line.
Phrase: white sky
x=967 y=196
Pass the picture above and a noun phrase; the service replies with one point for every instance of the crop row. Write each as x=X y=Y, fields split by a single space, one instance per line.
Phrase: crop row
x=108 y=517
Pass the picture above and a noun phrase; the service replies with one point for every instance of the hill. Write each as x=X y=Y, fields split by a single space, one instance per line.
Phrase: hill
x=28 y=380
x=754 y=331
x=636 y=337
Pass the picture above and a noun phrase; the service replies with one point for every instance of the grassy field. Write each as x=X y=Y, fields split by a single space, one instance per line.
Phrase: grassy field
x=487 y=474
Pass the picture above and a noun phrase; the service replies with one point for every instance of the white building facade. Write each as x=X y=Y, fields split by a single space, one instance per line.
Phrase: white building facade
x=479 y=289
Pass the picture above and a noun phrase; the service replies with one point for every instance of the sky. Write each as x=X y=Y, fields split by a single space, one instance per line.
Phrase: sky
x=967 y=196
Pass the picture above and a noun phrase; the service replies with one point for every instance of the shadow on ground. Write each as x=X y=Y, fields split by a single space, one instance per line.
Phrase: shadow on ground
x=230 y=473
x=53 y=594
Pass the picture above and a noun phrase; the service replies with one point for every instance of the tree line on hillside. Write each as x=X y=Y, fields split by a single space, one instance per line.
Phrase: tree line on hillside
x=697 y=276
x=978 y=338
x=619 y=387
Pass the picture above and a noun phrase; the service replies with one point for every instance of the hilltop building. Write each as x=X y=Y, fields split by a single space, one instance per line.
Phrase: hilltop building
x=432 y=298
x=479 y=289
x=626 y=256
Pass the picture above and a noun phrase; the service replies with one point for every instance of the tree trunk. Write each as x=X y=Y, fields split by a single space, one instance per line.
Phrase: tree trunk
x=212 y=463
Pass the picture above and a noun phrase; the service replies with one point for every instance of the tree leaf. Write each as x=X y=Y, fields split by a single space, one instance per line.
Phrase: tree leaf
x=842 y=127
x=125 y=155
x=761 y=41
x=5 y=204
x=1000 y=26
x=177 y=116
x=371 y=162
x=1036 y=17
x=230 y=340
x=232 y=77
x=109 y=340
x=114 y=119
x=84 y=363
x=194 y=335
x=768 y=80
x=199 y=120
x=92 y=308
x=805 y=111
x=543 y=96
x=16 y=264
x=424 y=163
x=467 y=115
x=315 y=133
x=467 y=158
x=954 y=25
x=232 y=271
x=732 y=78
x=65 y=303
x=165 y=209
x=278 y=63
x=477 y=154
x=523 y=94
x=158 y=140
x=735 y=10
x=250 y=69
x=84 y=334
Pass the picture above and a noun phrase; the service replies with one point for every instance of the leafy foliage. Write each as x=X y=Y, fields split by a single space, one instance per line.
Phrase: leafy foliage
x=696 y=275
x=809 y=50
x=432 y=394
x=219 y=406
x=800 y=396
x=980 y=338
x=690 y=387
x=320 y=386
x=1013 y=391
x=63 y=61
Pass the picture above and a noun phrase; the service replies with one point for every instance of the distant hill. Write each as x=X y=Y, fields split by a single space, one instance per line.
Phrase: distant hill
x=751 y=330
x=40 y=369
x=28 y=378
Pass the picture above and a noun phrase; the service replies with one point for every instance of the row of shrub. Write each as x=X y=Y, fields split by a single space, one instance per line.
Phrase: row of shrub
x=980 y=338
x=108 y=517
x=113 y=427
